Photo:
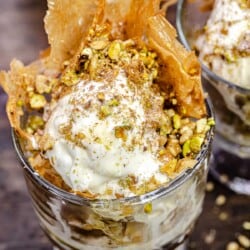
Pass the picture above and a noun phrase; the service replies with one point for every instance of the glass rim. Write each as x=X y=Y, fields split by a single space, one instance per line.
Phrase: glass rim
x=205 y=69
x=137 y=199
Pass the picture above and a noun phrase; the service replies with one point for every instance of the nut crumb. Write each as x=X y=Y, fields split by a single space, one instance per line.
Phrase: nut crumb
x=220 y=200
x=246 y=225
x=223 y=216
x=209 y=186
x=244 y=240
x=210 y=237
x=232 y=246
x=224 y=178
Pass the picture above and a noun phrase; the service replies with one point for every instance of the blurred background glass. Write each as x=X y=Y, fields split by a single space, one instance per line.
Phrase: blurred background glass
x=230 y=162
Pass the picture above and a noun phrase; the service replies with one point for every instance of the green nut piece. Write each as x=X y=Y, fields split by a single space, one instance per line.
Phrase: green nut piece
x=105 y=111
x=36 y=122
x=113 y=102
x=186 y=148
x=165 y=130
x=37 y=101
x=70 y=78
x=211 y=121
x=19 y=103
x=114 y=50
x=195 y=143
x=148 y=208
x=176 y=121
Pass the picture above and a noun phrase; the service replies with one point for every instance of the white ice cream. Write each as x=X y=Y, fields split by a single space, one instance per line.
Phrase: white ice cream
x=225 y=44
x=94 y=158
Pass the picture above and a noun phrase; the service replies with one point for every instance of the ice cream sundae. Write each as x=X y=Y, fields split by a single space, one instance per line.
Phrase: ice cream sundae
x=109 y=116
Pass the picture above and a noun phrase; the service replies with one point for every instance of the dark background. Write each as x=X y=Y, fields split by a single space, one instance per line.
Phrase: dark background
x=22 y=36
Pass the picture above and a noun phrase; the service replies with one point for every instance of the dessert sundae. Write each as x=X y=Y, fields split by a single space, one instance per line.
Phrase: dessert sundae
x=224 y=45
x=106 y=117
x=219 y=31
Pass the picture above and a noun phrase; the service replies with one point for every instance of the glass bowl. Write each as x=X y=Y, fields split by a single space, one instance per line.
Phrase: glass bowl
x=161 y=219
x=230 y=163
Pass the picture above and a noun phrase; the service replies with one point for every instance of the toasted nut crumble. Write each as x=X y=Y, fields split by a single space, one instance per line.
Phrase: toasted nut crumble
x=37 y=101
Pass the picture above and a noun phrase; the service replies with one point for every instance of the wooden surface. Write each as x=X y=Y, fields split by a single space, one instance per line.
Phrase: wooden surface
x=22 y=36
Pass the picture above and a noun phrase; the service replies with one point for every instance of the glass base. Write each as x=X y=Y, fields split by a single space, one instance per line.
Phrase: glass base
x=230 y=167
x=183 y=246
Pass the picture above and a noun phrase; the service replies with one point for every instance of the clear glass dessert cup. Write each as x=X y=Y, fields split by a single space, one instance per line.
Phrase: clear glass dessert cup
x=230 y=160
x=161 y=219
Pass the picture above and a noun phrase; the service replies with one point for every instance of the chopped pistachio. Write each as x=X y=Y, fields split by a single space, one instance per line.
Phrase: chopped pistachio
x=211 y=121
x=42 y=84
x=105 y=111
x=174 y=101
x=120 y=133
x=177 y=121
x=70 y=78
x=230 y=57
x=162 y=152
x=154 y=73
x=20 y=103
x=101 y=96
x=35 y=122
x=29 y=130
x=81 y=135
x=99 y=44
x=37 y=101
x=186 y=148
x=165 y=129
x=148 y=208
x=183 y=111
x=93 y=66
x=196 y=143
x=113 y=102
x=114 y=50
x=169 y=168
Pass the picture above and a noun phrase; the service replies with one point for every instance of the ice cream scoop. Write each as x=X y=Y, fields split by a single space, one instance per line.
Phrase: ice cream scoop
x=102 y=134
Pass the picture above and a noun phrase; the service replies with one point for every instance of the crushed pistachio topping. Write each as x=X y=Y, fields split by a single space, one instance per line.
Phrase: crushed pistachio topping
x=101 y=59
x=37 y=101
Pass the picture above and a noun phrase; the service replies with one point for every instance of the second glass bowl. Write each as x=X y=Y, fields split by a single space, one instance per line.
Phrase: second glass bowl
x=231 y=150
